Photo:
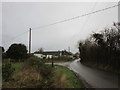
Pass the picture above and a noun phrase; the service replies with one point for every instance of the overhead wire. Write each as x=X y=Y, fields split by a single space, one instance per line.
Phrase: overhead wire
x=86 y=20
x=62 y=21
x=15 y=37
x=76 y=17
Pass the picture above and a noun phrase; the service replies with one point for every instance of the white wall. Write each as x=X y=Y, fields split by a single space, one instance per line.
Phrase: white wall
x=49 y=56
x=39 y=55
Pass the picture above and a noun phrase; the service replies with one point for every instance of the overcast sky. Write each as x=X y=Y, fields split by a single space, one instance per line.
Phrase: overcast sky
x=18 y=17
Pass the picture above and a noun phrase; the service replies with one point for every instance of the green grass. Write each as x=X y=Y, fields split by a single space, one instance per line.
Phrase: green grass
x=18 y=66
x=49 y=60
x=60 y=77
x=70 y=78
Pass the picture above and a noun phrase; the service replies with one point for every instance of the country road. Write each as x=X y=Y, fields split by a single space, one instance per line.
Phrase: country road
x=93 y=78
x=96 y=78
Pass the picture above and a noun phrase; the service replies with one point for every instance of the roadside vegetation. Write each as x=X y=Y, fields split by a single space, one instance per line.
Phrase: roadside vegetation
x=28 y=74
x=59 y=60
x=18 y=66
x=29 y=71
x=102 y=50
x=65 y=78
x=34 y=73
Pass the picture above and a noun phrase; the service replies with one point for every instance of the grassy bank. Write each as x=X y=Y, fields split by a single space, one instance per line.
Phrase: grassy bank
x=55 y=60
x=33 y=73
x=64 y=78
x=18 y=66
x=24 y=76
x=102 y=67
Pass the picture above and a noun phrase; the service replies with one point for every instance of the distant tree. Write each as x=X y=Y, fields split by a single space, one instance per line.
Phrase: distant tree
x=40 y=50
x=2 y=48
x=17 y=51
x=102 y=48
x=76 y=55
x=98 y=39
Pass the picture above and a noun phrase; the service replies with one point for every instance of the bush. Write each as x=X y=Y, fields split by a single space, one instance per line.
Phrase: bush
x=35 y=62
x=102 y=48
x=40 y=66
x=17 y=52
x=7 y=71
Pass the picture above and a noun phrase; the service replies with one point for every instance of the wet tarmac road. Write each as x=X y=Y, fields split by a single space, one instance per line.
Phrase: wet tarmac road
x=96 y=78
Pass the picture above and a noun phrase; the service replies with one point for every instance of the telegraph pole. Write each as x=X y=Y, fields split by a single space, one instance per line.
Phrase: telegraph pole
x=29 y=40
x=69 y=49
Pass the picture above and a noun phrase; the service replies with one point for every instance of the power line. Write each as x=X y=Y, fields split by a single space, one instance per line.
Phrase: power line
x=88 y=16
x=62 y=21
x=75 y=17
x=86 y=21
x=15 y=37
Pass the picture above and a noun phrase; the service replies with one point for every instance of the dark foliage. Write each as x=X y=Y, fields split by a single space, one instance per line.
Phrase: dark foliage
x=102 y=48
x=2 y=49
x=41 y=67
x=17 y=51
x=7 y=71
x=4 y=56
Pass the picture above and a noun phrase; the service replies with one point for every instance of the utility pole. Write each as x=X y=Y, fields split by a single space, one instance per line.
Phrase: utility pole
x=29 y=40
x=69 y=49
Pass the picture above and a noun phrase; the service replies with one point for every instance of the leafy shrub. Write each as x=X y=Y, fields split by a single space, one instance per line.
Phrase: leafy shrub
x=40 y=66
x=7 y=71
x=35 y=62
x=17 y=51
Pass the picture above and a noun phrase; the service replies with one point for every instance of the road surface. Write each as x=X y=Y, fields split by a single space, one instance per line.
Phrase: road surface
x=96 y=78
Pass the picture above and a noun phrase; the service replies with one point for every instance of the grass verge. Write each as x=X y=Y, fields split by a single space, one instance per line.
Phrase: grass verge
x=18 y=66
x=65 y=78
x=50 y=60
x=35 y=74
x=27 y=78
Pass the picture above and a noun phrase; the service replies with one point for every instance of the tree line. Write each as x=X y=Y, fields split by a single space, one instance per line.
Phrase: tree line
x=16 y=52
x=102 y=48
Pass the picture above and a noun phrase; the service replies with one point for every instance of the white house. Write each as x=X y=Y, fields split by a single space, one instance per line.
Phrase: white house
x=53 y=54
x=39 y=55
